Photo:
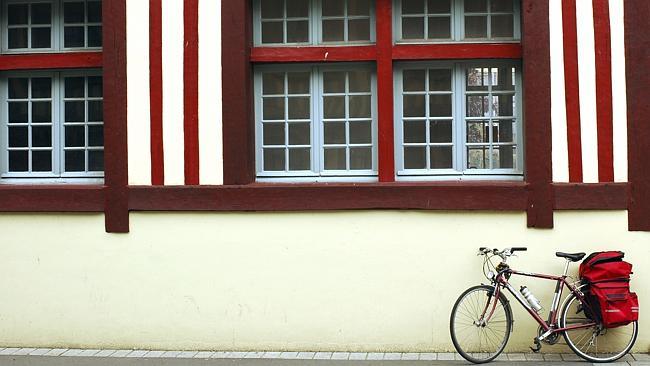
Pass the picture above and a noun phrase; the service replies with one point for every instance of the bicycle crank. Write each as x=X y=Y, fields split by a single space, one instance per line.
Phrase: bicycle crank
x=549 y=339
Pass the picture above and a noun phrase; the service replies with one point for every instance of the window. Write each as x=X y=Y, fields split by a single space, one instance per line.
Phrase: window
x=53 y=123
x=458 y=119
x=305 y=22
x=315 y=121
x=457 y=20
x=46 y=26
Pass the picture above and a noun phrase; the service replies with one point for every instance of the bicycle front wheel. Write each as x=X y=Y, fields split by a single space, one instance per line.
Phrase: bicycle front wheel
x=595 y=344
x=478 y=337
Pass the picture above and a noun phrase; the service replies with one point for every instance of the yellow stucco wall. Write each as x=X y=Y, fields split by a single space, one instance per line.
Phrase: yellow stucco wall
x=363 y=281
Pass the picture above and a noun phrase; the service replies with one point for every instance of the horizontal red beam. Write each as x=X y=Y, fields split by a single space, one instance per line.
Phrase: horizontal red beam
x=603 y=196
x=72 y=198
x=36 y=61
x=298 y=197
x=457 y=51
x=313 y=54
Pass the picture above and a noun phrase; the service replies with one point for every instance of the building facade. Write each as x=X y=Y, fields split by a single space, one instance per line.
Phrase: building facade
x=308 y=174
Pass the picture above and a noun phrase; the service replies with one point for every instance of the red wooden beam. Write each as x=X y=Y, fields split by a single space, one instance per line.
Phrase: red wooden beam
x=156 y=93
x=314 y=54
x=604 y=107
x=59 y=198
x=386 y=144
x=191 y=91
x=39 y=61
x=457 y=51
x=607 y=196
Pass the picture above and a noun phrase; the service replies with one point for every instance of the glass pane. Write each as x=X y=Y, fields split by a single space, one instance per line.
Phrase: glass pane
x=41 y=38
x=18 y=88
x=334 y=82
x=75 y=111
x=439 y=28
x=415 y=157
x=95 y=86
x=441 y=157
x=299 y=134
x=95 y=111
x=17 y=14
x=18 y=112
x=333 y=8
x=94 y=36
x=335 y=159
x=41 y=13
x=439 y=6
x=299 y=82
x=272 y=9
x=414 y=106
x=440 y=80
x=361 y=158
x=359 y=81
x=41 y=112
x=41 y=161
x=412 y=6
x=18 y=161
x=299 y=108
x=298 y=31
x=478 y=106
x=413 y=28
x=273 y=133
x=415 y=132
x=274 y=160
x=475 y=6
x=478 y=132
x=477 y=157
x=41 y=136
x=75 y=136
x=96 y=136
x=74 y=87
x=501 y=6
x=360 y=106
x=503 y=78
x=273 y=32
x=41 y=88
x=73 y=12
x=334 y=107
x=74 y=37
x=333 y=30
x=360 y=132
x=504 y=157
x=297 y=8
x=359 y=30
x=273 y=108
x=300 y=159
x=440 y=105
x=440 y=132
x=334 y=133
x=414 y=80
x=477 y=79
x=273 y=83
x=358 y=7
x=94 y=11
x=503 y=105
x=96 y=160
x=75 y=161
x=18 y=137
x=476 y=27
x=504 y=131
x=502 y=26
x=17 y=38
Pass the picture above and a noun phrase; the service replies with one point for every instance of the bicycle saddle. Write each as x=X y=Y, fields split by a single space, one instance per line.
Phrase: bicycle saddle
x=574 y=257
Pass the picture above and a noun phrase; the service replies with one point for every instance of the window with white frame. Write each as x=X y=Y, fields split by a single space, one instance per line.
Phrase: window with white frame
x=457 y=20
x=51 y=25
x=52 y=125
x=306 y=22
x=315 y=121
x=458 y=119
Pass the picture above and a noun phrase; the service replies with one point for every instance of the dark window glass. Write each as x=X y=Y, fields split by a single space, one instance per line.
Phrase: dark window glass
x=41 y=13
x=17 y=14
x=75 y=161
x=74 y=37
x=18 y=161
x=17 y=38
x=75 y=136
x=41 y=88
x=41 y=38
x=73 y=12
x=96 y=160
x=42 y=161
x=18 y=88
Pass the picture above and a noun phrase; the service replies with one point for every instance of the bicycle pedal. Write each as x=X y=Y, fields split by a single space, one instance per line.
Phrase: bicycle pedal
x=538 y=346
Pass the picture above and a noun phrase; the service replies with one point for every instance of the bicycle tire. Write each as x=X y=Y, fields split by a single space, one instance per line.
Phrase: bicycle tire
x=507 y=311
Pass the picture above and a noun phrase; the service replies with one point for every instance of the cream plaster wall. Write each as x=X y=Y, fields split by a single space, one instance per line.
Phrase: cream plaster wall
x=370 y=281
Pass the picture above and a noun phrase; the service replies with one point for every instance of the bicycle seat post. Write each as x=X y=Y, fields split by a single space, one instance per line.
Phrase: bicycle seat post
x=566 y=268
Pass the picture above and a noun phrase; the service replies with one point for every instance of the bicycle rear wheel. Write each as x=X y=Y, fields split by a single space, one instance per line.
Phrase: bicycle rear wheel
x=595 y=344
x=477 y=340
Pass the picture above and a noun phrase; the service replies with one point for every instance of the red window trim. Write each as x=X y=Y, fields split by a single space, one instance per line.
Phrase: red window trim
x=40 y=61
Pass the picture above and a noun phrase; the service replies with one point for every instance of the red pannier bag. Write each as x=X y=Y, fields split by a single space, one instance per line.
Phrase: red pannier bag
x=605 y=266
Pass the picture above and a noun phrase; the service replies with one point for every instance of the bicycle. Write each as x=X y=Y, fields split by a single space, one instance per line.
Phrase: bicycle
x=481 y=319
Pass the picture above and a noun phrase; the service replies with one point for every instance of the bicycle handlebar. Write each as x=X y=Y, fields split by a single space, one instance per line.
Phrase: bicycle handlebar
x=503 y=253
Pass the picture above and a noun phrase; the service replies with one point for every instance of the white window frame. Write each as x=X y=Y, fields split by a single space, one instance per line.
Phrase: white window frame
x=56 y=33
x=317 y=172
x=85 y=24
x=457 y=26
x=58 y=175
x=459 y=170
x=315 y=27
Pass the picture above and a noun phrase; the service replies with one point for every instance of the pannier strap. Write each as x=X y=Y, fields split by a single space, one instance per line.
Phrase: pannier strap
x=610 y=280
x=606 y=260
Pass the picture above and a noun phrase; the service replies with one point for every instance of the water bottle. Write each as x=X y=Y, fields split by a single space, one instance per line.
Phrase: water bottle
x=532 y=300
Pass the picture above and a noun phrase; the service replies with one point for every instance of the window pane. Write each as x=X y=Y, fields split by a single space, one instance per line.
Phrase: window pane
x=440 y=105
x=477 y=157
x=358 y=7
x=96 y=160
x=334 y=82
x=300 y=133
x=300 y=159
x=273 y=83
x=477 y=79
x=503 y=78
x=41 y=112
x=73 y=12
x=41 y=87
x=439 y=28
x=41 y=136
x=273 y=133
x=273 y=32
x=360 y=158
x=274 y=159
x=360 y=106
x=504 y=131
x=299 y=83
x=501 y=6
x=17 y=14
x=441 y=157
x=478 y=106
x=272 y=9
x=502 y=26
x=359 y=30
x=298 y=31
x=334 y=107
x=359 y=81
x=334 y=132
x=18 y=161
x=273 y=109
x=413 y=28
x=439 y=6
x=18 y=112
x=41 y=38
x=412 y=6
x=95 y=111
x=440 y=132
x=41 y=161
x=440 y=80
x=75 y=111
x=94 y=11
x=74 y=37
x=299 y=108
x=414 y=80
x=95 y=85
x=475 y=6
x=96 y=136
x=504 y=157
x=75 y=136
x=18 y=88
x=94 y=36
x=415 y=131
x=335 y=159
x=478 y=132
x=360 y=132
x=74 y=87
x=333 y=8
x=297 y=8
x=476 y=27
x=503 y=105
x=18 y=137
x=333 y=30
x=415 y=157
x=41 y=13
x=75 y=161
x=17 y=38
x=414 y=106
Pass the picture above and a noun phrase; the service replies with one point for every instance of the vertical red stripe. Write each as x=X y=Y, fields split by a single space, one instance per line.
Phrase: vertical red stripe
x=385 y=91
x=604 y=108
x=191 y=91
x=156 y=92
x=572 y=86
